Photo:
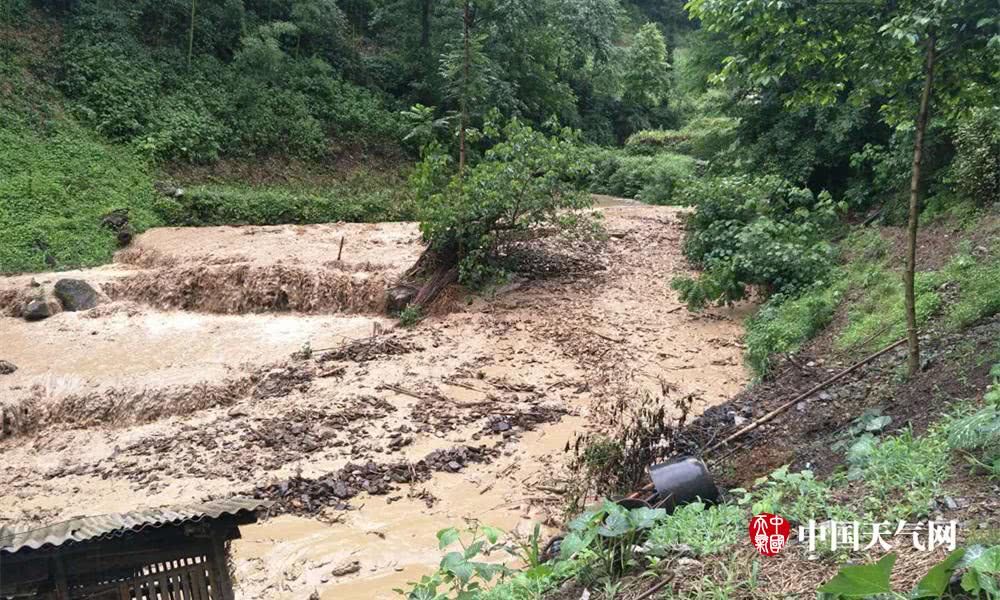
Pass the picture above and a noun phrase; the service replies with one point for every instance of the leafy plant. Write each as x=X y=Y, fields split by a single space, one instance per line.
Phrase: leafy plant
x=755 y=232
x=656 y=179
x=699 y=529
x=799 y=497
x=903 y=473
x=976 y=170
x=612 y=534
x=410 y=316
x=862 y=581
x=982 y=577
x=459 y=575
x=977 y=435
x=519 y=187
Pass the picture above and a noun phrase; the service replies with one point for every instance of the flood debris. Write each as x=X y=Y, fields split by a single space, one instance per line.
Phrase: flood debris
x=367 y=349
x=302 y=495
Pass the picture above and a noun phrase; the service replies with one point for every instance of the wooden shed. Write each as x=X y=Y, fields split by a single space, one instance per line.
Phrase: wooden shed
x=170 y=553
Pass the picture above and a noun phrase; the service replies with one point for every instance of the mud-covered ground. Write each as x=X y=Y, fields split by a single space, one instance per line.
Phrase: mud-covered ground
x=251 y=361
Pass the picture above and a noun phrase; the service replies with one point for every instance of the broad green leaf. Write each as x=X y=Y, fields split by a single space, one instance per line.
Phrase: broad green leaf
x=988 y=561
x=573 y=543
x=447 y=537
x=492 y=533
x=474 y=549
x=878 y=423
x=934 y=583
x=858 y=581
x=488 y=571
x=456 y=564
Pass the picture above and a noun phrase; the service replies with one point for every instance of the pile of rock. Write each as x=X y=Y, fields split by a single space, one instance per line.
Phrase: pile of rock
x=67 y=294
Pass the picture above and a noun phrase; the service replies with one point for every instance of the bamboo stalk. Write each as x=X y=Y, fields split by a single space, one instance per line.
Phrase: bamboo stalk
x=774 y=413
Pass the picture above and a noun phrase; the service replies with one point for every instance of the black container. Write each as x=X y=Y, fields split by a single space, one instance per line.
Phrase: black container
x=680 y=481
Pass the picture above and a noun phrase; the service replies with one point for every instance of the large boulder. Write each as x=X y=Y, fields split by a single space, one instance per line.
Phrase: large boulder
x=40 y=308
x=7 y=367
x=76 y=294
x=399 y=297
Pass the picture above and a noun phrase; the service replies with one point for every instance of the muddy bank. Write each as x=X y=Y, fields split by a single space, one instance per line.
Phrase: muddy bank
x=337 y=268
x=515 y=375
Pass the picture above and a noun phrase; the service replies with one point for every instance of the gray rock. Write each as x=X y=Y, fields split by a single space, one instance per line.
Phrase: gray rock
x=7 y=367
x=399 y=297
x=76 y=294
x=39 y=309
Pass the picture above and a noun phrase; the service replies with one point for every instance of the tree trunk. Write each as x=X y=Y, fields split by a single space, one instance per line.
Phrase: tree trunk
x=191 y=34
x=466 y=68
x=425 y=24
x=913 y=361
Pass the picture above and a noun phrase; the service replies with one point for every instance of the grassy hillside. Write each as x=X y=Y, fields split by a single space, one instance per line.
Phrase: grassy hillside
x=57 y=178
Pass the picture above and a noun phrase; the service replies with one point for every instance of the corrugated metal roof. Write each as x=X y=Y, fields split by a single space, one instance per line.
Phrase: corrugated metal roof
x=80 y=529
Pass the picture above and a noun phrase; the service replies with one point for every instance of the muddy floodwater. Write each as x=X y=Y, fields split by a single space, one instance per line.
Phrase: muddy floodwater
x=256 y=361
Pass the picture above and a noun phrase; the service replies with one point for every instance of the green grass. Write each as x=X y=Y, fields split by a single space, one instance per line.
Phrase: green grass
x=705 y=530
x=780 y=327
x=903 y=473
x=55 y=187
x=964 y=291
x=362 y=198
x=57 y=179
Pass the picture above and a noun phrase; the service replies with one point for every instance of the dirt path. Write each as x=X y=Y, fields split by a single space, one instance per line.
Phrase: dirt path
x=137 y=404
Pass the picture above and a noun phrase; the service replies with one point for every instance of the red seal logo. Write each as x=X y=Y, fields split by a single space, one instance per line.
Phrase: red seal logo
x=769 y=533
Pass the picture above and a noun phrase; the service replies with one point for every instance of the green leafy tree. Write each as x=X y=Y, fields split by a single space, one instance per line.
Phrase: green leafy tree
x=521 y=184
x=904 y=54
x=646 y=78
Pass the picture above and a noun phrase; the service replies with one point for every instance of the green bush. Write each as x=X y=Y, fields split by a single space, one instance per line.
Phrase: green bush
x=657 y=179
x=55 y=186
x=12 y=10
x=755 y=232
x=351 y=201
x=520 y=184
x=113 y=83
x=265 y=99
x=182 y=128
x=976 y=169
x=782 y=325
x=702 y=138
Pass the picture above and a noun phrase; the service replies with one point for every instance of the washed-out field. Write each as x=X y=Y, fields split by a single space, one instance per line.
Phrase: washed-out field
x=251 y=361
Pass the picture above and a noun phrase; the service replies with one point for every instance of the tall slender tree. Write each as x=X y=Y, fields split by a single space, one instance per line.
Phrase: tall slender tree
x=910 y=55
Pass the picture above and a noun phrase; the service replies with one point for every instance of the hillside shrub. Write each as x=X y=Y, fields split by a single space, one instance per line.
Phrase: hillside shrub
x=521 y=184
x=976 y=169
x=702 y=138
x=762 y=233
x=782 y=325
x=234 y=205
x=261 y=98
x=55 y=186
x=656 y=179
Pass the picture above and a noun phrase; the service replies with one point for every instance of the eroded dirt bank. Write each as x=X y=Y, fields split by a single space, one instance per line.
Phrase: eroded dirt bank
x=371 y=437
